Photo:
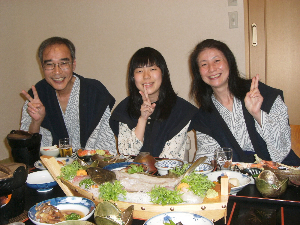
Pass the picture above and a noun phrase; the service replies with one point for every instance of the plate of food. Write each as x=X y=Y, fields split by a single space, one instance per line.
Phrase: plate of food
x=62 y=161
x=89 y=155
x=237 y=180
x=146 y=192
x=64 y=208
x=131 y=184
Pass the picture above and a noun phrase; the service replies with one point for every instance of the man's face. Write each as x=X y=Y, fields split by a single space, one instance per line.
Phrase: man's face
x=59 y=78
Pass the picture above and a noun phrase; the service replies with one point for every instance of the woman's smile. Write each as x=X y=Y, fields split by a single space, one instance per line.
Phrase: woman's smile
x=149 y=78
x=213 y=68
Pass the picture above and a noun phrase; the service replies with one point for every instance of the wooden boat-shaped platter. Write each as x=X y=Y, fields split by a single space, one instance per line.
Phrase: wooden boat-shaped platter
x=213 y=209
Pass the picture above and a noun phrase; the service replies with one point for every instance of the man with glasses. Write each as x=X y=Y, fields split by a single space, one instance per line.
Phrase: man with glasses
x=67 y=105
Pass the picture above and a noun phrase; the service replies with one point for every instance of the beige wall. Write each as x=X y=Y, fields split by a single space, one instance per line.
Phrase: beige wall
x=106 y=33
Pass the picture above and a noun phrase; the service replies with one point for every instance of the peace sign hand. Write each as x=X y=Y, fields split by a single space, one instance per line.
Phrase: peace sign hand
x=254 y=99
x=146 y=108
x=35 y=109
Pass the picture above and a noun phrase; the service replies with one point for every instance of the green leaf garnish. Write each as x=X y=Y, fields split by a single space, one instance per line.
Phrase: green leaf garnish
x=68 y=172
x=135 y=169
x=163 y=196
x=199 y=183
x=111 y=191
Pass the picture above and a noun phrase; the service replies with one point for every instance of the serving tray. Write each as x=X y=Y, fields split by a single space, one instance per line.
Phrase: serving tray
x=213 y=209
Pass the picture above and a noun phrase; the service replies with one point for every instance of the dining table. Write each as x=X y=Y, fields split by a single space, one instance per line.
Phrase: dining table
x=246 y=207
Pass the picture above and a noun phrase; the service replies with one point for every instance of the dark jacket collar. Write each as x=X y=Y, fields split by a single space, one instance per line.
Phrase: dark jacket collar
x=93 y=100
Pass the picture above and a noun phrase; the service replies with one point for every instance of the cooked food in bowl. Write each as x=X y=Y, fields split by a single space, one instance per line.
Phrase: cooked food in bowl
x=237 y=179
x=47 y=213
x=61 y=209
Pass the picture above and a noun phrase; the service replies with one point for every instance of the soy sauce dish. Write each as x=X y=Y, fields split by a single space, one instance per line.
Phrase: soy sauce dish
x=82 y=206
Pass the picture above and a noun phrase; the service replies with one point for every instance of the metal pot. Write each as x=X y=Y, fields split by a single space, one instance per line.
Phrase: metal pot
x=25 y=147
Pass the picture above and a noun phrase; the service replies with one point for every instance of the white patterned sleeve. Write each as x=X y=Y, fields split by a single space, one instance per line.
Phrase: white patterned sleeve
x=128 y=143
x=275 y=130
x=175 y=148
x=25 y=123
x=206 y=146
x=103 y=136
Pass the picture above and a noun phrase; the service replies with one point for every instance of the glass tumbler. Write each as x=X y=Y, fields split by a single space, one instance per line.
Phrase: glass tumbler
x=224 y=158
x=65 y=147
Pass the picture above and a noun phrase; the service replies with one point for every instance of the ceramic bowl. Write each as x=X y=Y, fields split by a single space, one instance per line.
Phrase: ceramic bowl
x=176 y=217
x=204 y=168
x=244 y=179
x=163 y=166
x=41 y=180
x=147 y=159
x=269 y=185
x=50 y=151
x=84 y=205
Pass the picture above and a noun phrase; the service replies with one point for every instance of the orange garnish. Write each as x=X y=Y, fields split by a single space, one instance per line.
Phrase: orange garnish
x=183 y=185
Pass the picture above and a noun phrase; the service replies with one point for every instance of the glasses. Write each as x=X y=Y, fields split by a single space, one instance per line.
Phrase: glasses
x=62 y=65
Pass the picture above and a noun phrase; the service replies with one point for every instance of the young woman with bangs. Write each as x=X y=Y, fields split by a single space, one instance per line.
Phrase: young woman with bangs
x=152 y=118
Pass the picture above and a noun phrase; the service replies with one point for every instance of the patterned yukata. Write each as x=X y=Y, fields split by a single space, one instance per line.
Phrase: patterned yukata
x=96 y=133
x=164 y=139
x=278 y=148
x=241 y=132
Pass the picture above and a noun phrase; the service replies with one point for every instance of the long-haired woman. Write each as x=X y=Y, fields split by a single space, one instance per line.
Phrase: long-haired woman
x=152 y=118
x=245 y=115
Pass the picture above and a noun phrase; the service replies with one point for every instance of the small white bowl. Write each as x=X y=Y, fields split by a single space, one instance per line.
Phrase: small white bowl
x=163 y=166
x=41 y=180
x=84 y=205
x=50 y=151
x=244 y=180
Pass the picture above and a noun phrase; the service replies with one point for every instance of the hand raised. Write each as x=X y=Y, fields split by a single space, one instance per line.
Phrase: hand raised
x=35 y=109
x=146 y=108
x=254 y=99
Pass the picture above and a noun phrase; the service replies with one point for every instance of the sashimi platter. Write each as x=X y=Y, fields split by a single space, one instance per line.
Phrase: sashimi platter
x=131 y=184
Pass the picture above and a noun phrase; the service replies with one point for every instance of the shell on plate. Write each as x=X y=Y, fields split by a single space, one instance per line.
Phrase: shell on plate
x=103 y=161
x=100 y=176
x=292 y=174
x=269 y=185
x=107 y=213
